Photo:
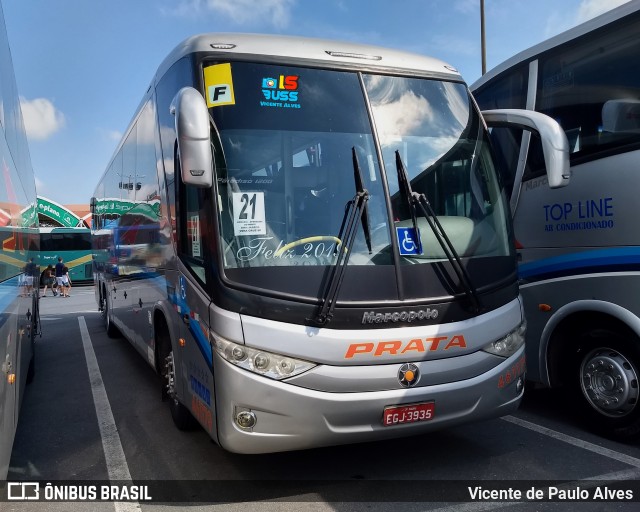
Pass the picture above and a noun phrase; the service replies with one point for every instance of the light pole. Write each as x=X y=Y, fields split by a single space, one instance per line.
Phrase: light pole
x=482 y=40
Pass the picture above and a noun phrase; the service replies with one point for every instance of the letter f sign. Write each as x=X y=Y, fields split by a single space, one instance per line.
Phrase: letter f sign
x=218 y=91
x=219 y=94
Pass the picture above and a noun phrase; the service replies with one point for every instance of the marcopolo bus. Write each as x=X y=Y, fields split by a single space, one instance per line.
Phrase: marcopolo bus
x=579 y=247
x=309 y=241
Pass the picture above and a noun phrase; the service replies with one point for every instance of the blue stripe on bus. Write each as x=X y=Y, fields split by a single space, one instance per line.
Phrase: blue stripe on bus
x=201 y=338
x=601 y=260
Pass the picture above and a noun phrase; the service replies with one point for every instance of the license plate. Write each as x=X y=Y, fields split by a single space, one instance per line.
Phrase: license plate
x=399 y=414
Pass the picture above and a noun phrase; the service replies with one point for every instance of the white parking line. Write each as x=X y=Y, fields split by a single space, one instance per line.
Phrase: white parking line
x=585 y=445
x=114 y=454
x=592 y=481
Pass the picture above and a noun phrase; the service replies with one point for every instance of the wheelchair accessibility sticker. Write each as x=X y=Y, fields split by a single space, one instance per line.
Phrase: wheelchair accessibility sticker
x=408 y=242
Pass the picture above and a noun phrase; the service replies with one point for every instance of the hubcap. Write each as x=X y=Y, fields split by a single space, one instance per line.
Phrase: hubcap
x=171 y=376
x=609 y=382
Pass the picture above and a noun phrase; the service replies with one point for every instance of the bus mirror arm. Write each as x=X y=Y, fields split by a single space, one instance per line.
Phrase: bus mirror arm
x=554 y=141
x=192 y=131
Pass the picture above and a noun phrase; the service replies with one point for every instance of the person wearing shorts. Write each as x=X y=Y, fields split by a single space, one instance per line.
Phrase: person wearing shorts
x=59 y=276
x=30 y=270
x=66 y=282
x=48 y=278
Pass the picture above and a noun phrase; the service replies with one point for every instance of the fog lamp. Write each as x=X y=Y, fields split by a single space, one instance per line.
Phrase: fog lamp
x=246 y=419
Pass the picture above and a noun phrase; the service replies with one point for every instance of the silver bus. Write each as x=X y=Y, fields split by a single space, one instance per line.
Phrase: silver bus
x=578 y=248
x=308 y=240
x=18 y=256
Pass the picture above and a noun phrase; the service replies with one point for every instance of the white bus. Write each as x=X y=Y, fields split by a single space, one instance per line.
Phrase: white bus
x=309 y=242
x=579 y=247
x=18 y=256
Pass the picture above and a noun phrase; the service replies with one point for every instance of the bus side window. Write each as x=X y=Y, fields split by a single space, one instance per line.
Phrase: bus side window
x=190 y=229
x=535 y=166
x=510 y=91
x=506 y=149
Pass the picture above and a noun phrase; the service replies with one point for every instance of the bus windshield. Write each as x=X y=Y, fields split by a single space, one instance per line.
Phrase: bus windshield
x=285 y=169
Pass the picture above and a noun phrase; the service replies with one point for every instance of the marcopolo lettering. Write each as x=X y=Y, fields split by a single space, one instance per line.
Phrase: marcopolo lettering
x=371 y=317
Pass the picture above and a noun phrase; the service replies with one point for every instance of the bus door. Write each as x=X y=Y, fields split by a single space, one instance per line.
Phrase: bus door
x=194 y=352
x=195 y=356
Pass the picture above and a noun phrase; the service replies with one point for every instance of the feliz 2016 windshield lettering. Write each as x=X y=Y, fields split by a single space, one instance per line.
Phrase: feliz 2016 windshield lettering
x=263 y=247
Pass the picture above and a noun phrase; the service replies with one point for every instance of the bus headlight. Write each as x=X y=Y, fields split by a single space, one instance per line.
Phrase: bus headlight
x=507 y=346
x=274 y=366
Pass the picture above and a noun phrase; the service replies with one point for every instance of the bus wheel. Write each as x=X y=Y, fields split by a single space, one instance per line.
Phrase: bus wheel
x=112 y=330
x=31 y=371
x=182 y=417
x=608 y=371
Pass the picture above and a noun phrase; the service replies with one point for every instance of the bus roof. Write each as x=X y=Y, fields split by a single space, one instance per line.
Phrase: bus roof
x=338 y=53
x=573 y=33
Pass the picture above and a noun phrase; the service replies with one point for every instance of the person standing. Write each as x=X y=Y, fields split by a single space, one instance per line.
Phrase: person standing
x=66 y=280
x=48 y=280
x=30 y=270
x=59 y=273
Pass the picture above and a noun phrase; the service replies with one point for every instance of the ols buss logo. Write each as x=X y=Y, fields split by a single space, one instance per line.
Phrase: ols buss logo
x=371 y=317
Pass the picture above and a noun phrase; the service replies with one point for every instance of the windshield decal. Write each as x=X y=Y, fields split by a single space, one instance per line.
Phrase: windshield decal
x=407 y=241
x=218 y=83
x=249 y=214
x=281 y=92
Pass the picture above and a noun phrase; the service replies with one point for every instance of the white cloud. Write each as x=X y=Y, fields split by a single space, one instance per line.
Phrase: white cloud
x=114 y=135
x=242 y=12
x=467 y=6
x=41 y=118
x=587 y=10
x=397 y=118
x=591 y=8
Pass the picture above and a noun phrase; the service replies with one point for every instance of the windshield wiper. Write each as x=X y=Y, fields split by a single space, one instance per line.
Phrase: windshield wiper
x=415 y=200
x=354 y=209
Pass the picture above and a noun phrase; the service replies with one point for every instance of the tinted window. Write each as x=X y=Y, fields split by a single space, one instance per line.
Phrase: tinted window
x=288 y=170
x=508 y=91
x=592 y=88
x=55 y=242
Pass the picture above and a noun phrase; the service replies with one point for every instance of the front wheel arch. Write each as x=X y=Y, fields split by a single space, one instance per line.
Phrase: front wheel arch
x=596 y=359
x=112 y=330
x=165 y=367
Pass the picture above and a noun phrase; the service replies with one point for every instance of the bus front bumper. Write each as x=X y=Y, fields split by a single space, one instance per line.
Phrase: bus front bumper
x=289 y=417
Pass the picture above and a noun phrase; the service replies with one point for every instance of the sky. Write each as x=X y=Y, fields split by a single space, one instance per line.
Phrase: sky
x=82 y=66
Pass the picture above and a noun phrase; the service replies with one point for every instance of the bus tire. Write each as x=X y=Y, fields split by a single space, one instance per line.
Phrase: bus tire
x=112 y=330
x=606 y=381
x=31 y=371
x=181 y=415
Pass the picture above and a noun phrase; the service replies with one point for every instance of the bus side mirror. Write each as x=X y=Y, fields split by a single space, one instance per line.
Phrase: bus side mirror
x=554 y=141
x=192 y=130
